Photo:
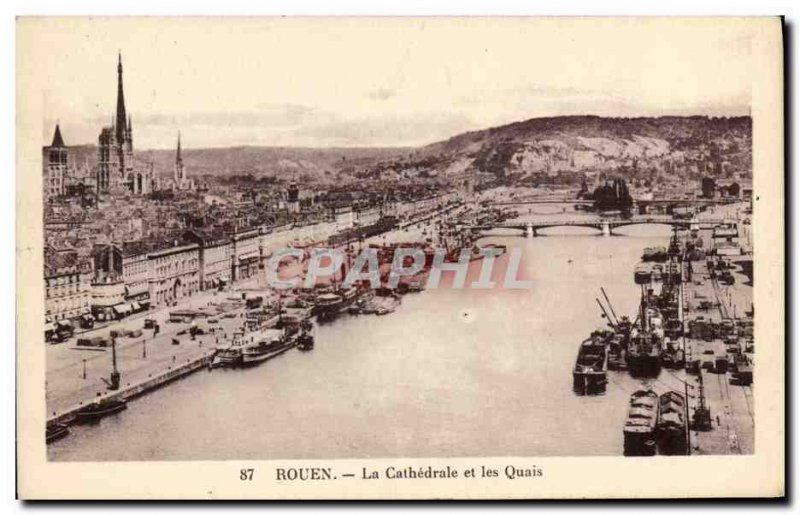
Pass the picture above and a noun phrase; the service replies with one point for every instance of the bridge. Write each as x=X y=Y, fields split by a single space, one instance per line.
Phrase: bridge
x=604 y=224
x=636 y=202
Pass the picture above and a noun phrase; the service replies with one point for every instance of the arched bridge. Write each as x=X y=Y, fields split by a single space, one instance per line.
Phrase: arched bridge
x=604 y=224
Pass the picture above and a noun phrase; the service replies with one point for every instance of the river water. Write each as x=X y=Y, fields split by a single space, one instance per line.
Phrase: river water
x=450 y=373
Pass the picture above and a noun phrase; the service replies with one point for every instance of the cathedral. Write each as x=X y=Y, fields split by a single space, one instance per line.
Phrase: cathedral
x=117 y=171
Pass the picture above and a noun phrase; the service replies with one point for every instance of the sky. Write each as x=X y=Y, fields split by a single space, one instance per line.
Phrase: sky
x=321 y=82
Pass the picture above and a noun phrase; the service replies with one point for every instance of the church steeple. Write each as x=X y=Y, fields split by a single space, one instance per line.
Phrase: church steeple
x=121 y=116
x=58 y=141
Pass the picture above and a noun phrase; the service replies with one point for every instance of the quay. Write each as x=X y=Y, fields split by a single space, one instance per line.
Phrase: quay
x=136 y=389
x=77 y=376
x=707 y=302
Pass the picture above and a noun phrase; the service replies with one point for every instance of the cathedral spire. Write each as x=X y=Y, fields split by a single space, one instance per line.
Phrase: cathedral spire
x=121 y=116
x=178 y=159
x=58 y=141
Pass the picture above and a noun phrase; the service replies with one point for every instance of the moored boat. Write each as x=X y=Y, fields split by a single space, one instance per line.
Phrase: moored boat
x=643 y=355
x=305 y=341
x=657 y=254
x=55 y=432
x=231 y=355
x=671 y=425
x=591 y=365
x=639 y=431
x=642 y=274
x=328 y=305
x=99 y=409
x=266 y=344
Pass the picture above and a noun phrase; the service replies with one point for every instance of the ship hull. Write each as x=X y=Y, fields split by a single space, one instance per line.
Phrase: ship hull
x=643 y=366
x=92 y=414
x=56 y=432
x=249 y=359
x=639 y=444
x=589 y=384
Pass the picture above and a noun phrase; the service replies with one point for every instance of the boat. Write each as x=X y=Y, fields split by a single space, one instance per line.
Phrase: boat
x=231 y=355
x=359 y=307
x=589 y=373
x=99 y=409
x=640 y=427
x=642 y=274
x=643 y=353
x=671 y=424
x=656 y=254
x=305 y=340
x=266 y=344
x=328 y=305
x=55 y=432
x=616 y=352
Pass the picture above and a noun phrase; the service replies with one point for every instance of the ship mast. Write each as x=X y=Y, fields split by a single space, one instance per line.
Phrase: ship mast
x=611 y=322
x=609 y=305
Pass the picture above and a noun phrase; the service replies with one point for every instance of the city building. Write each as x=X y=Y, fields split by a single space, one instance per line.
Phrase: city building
x=293 y=198
x=215 y=257
x=174 y=274
x=245 y=253
x=121 y=279
x=67 y=281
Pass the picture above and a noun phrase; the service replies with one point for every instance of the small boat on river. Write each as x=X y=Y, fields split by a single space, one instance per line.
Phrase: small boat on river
x=99 y=409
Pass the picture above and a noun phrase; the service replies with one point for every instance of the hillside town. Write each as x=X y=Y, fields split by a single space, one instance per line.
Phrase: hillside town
x=124 y=236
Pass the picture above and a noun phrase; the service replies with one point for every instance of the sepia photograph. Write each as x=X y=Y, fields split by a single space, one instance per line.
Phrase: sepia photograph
x=449 y=249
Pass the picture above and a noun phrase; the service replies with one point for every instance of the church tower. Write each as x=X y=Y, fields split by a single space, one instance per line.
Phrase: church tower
x=57 y=165
x=180 y=171
x=115 y=172
x=124 y=131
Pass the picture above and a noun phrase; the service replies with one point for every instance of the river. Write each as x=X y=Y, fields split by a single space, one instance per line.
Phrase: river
x=450 y=373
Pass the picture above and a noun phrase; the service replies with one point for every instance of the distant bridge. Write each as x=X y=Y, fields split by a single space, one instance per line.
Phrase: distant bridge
x=638 y=202
x=570 y=201
x=604 y=224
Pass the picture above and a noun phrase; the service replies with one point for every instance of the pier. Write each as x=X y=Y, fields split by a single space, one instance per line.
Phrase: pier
x=78 y=376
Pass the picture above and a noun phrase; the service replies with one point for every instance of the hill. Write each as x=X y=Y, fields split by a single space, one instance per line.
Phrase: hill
x=686 y=146
x=683 y=146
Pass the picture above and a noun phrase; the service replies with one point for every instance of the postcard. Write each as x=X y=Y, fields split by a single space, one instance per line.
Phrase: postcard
x=400 y=258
